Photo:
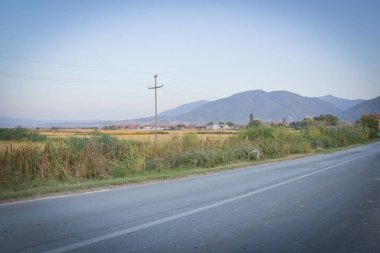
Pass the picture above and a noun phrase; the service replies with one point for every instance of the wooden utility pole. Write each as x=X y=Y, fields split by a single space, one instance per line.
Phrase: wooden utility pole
x=155 y=87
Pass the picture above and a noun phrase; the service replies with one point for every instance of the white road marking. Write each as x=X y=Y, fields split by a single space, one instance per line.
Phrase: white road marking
x=53 y=197
x=194 y=211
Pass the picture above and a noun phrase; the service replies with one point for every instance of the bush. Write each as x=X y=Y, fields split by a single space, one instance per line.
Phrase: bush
x=371 y=123
x=336 y=136
x=256 y=132
x=132 y=159
x=20 y=134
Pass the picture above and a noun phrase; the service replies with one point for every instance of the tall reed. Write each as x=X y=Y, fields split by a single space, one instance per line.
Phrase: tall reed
x=103 y=156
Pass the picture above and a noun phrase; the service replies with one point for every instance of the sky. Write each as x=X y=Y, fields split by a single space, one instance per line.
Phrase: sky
x=87 y=60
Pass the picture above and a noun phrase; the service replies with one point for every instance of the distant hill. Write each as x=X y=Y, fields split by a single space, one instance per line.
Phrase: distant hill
x=366 y=107
x=266 y=106
x=6 y=122
x=341 y=103
x=185 y=108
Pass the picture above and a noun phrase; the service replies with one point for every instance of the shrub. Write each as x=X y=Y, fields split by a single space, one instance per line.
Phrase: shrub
x=256 y=132
x=20 y=134
x=371 y=123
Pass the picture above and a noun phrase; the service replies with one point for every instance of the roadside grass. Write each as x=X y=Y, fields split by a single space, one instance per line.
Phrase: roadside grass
x=75 y=163
x=336 y=149
x=32 y=190
x=37 y=189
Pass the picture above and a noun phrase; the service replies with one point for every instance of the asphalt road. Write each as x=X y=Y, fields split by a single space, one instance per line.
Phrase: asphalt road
x=323 y=203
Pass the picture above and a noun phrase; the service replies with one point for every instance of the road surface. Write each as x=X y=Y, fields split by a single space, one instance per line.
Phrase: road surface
x=323 y=203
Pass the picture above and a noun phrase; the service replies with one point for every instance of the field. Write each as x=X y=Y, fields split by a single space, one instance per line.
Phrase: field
x=126 y=134
x=137 y=135
x=129 y=135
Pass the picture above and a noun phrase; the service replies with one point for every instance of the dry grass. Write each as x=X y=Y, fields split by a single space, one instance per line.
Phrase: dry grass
x=137 y=135
x=127 y=135
x=9 y=145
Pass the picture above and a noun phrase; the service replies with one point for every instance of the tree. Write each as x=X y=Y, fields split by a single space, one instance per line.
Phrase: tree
x=253 y=122
x=296 y=125
x=250 y=118
x=328 y=119
x=301 y=125
x=370 y=121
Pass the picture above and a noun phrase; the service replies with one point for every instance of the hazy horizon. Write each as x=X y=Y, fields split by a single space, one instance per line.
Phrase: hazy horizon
x=119 y=119
x=87 y=60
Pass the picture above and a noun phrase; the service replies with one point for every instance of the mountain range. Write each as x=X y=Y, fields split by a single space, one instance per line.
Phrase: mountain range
x=355 y=112
x=342 y=104
x=265 y=106
x=182 y=109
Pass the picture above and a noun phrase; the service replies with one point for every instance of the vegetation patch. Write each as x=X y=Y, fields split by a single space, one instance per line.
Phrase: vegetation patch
x=20 y=134
x=99 y=160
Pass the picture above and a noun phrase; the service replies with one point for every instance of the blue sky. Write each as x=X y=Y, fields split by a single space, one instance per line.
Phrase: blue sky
x=96 y=59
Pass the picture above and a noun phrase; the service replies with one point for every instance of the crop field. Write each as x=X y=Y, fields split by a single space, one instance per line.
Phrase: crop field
x=126 y=135
x=137 y=135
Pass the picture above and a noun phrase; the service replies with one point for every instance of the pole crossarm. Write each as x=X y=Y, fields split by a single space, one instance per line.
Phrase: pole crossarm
x=156 y=87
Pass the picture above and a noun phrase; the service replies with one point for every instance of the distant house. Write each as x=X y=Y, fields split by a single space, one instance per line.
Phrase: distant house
x=212 y=127
x=217 y=126
x=224 y=126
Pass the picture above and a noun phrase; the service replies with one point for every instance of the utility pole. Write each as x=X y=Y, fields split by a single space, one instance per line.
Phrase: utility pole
x=155 y=87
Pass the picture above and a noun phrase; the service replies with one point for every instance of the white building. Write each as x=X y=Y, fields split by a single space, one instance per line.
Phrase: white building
x=213 y=127
x=217 y=127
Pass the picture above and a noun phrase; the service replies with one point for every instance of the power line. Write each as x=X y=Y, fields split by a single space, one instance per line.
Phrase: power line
x=86 y=67
x=81 y=81
x=175 y=89
x=72 y=65
x=67 y=80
